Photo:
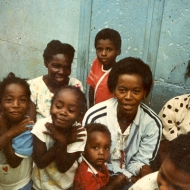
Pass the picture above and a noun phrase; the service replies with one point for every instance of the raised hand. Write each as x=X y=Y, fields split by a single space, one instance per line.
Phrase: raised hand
x=17 y=129
x=75 y=135
x=56 y=134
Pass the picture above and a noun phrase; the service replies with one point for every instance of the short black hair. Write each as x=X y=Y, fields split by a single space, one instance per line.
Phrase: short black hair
x=179 y=152
x=97 y=127
x=56 y=47
x=79 y=94
x=130 y=65
x=12 y=79
x=110 y=34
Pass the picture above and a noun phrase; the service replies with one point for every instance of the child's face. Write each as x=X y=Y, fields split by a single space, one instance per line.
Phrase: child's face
x=106 y=53
x=97 y=150
x=65 y=110
x=59 y=69
x=14 y=103
x=171 y=178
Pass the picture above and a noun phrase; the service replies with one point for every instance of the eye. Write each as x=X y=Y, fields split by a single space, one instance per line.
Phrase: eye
x=135 y=91
x=121 y=90
x=109 y=49
x=99 y=49
x=95 y=147
x=56 y=66
x=107 y=148
x=8 y=99
x=23 y=99
x=58 y=106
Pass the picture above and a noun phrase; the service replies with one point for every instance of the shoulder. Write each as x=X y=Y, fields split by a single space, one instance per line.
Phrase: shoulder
x=96 y=112
x=35 y=80
x=148 y=115
x=40 y=124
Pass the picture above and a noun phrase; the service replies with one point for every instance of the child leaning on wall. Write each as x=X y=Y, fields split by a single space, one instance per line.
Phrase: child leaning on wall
x=92 y=173
x=16 y=142
x=108 y=47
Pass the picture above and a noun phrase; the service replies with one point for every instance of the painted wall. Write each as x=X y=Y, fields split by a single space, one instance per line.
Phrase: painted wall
x=156 y=31
x=27 y=27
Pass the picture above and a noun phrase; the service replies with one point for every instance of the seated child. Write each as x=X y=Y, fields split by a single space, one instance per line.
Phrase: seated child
x=108 y=47
x=92 y=173
x=15 y=137
x=174 y=173
x=58 y=141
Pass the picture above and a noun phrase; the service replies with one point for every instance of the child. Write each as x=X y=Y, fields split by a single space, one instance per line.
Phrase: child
x=56 y=143
x=15 y=136
x=92 y=173
x=174 y=173
x=108 y=47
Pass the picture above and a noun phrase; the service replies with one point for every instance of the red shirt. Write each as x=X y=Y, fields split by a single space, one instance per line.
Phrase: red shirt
x=95 y=74
x=85 y=179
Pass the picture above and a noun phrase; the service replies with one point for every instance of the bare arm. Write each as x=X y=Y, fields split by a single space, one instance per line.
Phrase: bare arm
x=8 y=133
x=91 y=96
x=42 y=156
x=32 y=111
x=63 y=159
x=12 y=159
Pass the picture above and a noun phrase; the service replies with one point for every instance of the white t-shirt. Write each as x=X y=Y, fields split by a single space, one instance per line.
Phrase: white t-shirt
x=14 y=178
x=50 y=177
x=148 y=182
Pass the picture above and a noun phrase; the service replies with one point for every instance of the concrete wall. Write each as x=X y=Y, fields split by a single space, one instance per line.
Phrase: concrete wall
x=27 y=27
x=155 y=31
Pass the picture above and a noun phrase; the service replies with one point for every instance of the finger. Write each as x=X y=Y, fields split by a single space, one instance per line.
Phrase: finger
x=47 y=132
x=79 y=140
x=29 y=128
x=81 y=135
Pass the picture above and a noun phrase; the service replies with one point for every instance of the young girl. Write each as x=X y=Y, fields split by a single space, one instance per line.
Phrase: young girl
x=57 y=142
x=15 y=137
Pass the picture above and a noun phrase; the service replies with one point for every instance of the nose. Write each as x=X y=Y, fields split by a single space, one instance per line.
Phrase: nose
x=128 y=94
x=16 y=103
x=101 y=151
x=104 y=52
x=61 y=70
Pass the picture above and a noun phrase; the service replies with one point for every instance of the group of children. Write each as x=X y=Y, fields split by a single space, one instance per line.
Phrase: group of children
x=46 y=147
x=44 y=154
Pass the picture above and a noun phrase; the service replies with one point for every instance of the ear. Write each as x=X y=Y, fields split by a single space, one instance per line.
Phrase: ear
x=119 y=52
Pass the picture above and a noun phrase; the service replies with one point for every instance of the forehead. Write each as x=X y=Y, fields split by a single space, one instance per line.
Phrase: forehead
x=60 y=58
x=106 y=42
x=130 y=80
x=67 y=95
x=98 y=136
x=15 y=89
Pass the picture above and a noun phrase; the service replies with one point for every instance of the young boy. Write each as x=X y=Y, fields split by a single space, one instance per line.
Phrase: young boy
x=108 y=47
x=174 y=173
x=92 y=173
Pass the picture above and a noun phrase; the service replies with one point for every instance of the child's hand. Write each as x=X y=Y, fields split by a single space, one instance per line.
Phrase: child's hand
x=75 y=136
x=54 y=133
x=17 y=129
x=120 y=180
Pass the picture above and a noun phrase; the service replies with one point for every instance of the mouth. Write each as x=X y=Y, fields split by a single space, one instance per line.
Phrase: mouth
x=16 y=113
x=127 y=106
